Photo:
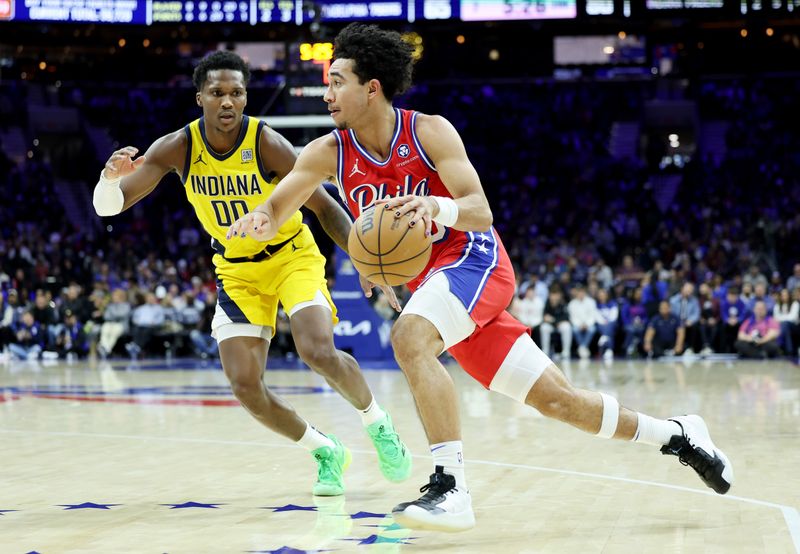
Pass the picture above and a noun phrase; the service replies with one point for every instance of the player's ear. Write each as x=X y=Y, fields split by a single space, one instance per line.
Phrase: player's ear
x=197 y=98
x=373 y=88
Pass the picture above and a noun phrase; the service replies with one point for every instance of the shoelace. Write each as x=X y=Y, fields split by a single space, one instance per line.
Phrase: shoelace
x=689 y=456
x=391 y=437
x=325 y=472
x=438 y=486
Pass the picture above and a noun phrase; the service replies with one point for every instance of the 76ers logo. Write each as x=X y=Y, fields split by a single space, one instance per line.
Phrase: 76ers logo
x=366 y=194
x=403 y=150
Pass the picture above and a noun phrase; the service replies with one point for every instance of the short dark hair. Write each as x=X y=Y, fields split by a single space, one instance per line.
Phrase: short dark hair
x=376 y=54
x=221 y=59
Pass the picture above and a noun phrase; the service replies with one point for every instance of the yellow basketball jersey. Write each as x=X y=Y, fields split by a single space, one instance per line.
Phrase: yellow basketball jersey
x=224 y=187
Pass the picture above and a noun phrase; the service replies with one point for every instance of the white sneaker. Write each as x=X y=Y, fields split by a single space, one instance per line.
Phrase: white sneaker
x=443 y=507
x=608 y=355
x=707 y=351
x=583 y=352
x=695 y=449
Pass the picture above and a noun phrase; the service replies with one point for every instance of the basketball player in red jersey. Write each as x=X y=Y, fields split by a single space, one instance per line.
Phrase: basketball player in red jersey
x=407 y=161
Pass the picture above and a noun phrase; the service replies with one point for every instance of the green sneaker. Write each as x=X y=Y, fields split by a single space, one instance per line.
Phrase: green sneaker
x=393 y=456
x=332 y=462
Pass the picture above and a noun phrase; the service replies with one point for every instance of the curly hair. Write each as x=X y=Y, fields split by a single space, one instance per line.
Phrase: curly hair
x=376 y=54
x=221 y=59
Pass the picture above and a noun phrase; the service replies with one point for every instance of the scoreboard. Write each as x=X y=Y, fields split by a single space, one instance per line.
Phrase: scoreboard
x=253 y=12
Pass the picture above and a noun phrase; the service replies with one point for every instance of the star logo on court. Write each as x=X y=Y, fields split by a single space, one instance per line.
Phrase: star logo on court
x=364 y=515
x=193 y=505
x=290 y=508
x=88 y=505
x=482 y=248
x=377 y=539
x=3 y=511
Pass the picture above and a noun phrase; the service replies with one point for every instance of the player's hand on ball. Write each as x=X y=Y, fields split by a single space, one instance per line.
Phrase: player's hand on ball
x=255 y=224
x=121 y=163
x=424 y=209
x=367 y=287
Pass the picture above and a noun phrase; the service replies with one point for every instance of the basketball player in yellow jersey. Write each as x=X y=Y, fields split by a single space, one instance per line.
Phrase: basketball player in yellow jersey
x=229 y=164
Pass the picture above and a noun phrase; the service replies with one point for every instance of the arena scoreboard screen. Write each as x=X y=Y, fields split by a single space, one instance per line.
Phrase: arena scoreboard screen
x=253 y=12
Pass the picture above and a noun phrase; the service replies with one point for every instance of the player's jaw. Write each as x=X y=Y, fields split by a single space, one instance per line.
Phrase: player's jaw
x=338 y=119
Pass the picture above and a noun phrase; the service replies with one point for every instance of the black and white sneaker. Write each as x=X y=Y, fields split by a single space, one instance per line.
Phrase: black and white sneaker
x=443 y=507
x=695 y=449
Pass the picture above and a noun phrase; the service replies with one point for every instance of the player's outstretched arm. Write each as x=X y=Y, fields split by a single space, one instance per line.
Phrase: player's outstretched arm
x=316 y=163
x=469 y=210
x=126 y=179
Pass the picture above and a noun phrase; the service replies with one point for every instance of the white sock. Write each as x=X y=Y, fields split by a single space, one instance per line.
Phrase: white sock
x=656 y=432
x=313 y=439
x=372 y=414
x=450 y=456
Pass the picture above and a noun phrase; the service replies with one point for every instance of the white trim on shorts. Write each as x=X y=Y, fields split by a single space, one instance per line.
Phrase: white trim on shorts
x=222 y=328
x=318 y=300
x=434 y=301
x=523 y=366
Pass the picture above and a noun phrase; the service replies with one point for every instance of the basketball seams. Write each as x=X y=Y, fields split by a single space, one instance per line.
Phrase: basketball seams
x=380 y=255
x=377 y=267
x=421 y=253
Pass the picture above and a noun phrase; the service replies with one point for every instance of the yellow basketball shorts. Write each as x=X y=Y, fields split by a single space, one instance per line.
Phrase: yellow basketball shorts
x=249 y=292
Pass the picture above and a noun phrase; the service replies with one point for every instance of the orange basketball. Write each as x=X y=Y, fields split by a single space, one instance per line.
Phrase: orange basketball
x=385 y=250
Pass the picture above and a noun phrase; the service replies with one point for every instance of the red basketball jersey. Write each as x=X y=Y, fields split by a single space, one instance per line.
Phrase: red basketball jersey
x=363 y=179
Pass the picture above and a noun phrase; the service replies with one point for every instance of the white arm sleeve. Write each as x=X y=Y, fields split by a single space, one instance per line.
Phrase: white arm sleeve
x=108 y=198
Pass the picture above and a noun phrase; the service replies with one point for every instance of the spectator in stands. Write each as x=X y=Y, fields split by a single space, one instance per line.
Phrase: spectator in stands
x=685 y=306
x=709 y=319
x=583 y=317
x=539 y=287
x=732 y=313
x=204 y=344
x=529 y=310
x=793 y=282
x=654 y=290
x=629 y=273
x=116 y=322
x=29 y=338
x=75 y=302
x=787 y=314
x=634 y=319
x=147 y=320
x=556 y=317
x=71 y=339
x=9 y=313
x=608 y=314
x=45 y=314
x=664 y=334
x=754 y=277
x=602 y=272
x=758 y=335
x=760 y=295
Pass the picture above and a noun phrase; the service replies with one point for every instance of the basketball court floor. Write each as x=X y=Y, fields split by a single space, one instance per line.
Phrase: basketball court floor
x=158 y=457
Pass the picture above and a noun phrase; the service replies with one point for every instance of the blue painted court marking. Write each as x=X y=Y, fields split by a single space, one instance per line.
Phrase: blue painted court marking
x=166 y=391
x=790 y=514
x=196 y=364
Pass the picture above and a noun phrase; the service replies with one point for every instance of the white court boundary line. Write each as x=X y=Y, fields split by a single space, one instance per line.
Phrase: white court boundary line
x=790 y=515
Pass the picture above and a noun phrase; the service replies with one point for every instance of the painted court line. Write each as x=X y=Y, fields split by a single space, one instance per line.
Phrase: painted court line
x=790 y=515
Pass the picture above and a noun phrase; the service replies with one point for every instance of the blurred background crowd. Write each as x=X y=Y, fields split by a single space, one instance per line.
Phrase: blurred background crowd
x=647 y=214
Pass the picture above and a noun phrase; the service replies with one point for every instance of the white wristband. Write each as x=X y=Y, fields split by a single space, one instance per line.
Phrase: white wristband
x=448 y=211
x=108 y=198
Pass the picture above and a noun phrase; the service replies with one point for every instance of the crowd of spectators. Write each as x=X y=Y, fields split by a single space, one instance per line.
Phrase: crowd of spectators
x=602 y=268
